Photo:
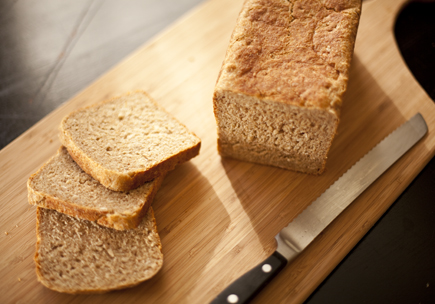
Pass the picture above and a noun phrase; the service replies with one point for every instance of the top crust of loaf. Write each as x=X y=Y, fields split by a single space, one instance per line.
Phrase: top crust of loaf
x=127 y=141
x=292 y=52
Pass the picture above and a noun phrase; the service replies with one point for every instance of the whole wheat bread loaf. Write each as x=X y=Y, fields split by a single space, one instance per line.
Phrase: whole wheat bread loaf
x=79 y=256
x=278 y=96
x=127 y=141
x=62 y=185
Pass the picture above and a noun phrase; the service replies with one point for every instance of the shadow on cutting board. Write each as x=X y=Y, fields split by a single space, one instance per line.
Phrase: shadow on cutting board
x=402 y=233
x=183 y=213
x=272 y=197
x=186 y=207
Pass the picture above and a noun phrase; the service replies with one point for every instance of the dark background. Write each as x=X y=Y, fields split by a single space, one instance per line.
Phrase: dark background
x=51 y=49
x=395 y=262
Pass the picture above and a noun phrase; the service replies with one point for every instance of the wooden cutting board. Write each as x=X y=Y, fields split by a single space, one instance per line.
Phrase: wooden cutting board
x=217 y=218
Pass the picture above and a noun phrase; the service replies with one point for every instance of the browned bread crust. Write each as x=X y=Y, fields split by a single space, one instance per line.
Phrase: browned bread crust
x=43 y=191
x=129 y=177
x=286 y=64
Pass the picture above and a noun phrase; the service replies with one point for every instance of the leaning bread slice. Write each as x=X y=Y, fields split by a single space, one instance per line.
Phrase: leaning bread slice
x=127 y=141
x=61 y=185
x=79 y=256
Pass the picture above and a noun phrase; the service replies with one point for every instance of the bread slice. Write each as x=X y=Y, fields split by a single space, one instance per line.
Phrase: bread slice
x=127 y=141
x=278 y=97
x=61 y=185
x=79 y=256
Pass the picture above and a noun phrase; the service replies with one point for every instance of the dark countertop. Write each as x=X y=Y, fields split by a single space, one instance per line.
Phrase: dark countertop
x=50 y=50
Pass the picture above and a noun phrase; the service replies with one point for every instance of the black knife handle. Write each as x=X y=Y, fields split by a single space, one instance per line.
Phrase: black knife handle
x=245 y=288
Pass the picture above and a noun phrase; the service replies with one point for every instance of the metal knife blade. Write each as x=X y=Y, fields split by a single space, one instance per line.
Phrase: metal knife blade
x=294 y=238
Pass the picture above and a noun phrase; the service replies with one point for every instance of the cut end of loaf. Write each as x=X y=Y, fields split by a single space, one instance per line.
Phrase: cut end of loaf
x=127 y=141
x=78 y=256
x=276 y=134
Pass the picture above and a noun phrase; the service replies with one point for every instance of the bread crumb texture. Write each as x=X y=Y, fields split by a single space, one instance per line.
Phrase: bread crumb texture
x=125 y=137
x=79 y=256
x=278 y=97
x=61 y=184
x=128 y=133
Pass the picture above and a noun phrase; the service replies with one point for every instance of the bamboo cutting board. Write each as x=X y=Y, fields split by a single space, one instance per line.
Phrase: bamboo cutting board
x=217 y=218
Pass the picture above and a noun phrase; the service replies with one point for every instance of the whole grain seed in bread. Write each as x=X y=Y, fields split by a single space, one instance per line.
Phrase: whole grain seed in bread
x=62 y=185
x=278 y=96
x=127 y=141
x=79 y=256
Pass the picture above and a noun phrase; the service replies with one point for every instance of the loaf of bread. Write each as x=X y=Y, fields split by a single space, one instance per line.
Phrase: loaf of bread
x=127 y=141
x=61 y=185
x=79 y=256
x=278 y=96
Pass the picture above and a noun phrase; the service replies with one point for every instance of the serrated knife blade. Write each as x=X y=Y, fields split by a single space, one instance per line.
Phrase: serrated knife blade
x=294 y=238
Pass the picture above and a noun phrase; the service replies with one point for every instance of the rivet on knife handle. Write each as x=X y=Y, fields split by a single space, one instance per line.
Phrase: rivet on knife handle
x=251 y=283
x=307 y=226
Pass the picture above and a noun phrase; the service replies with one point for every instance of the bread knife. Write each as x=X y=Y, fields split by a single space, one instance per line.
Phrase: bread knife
x=294 y=238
